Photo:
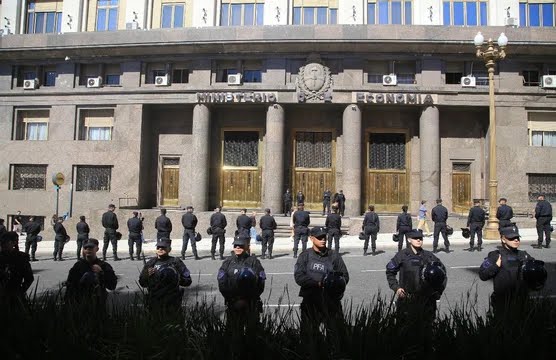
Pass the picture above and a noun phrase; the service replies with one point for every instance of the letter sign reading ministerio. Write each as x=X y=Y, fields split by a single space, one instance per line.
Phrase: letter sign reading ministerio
x=237 y=97
x=393 y=98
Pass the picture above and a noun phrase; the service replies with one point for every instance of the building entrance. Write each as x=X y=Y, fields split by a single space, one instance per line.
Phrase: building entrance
x=170 y=181
x=461 y=188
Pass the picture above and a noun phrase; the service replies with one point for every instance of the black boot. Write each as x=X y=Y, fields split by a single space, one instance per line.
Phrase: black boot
x=270 y=255
x=435 y=250
x=374 y=252
x=221 y=256
x=104 y=256
x=131 y=257
x=365 y=252
x=116 y=258
x=212 y=256
x=295 y=254
x=183 y=256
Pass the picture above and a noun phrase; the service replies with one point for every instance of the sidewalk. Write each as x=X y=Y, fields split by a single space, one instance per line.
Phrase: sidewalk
x=281 y=244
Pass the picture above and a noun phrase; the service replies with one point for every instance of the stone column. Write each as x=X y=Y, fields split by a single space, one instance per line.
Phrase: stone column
x=351 y=158
x=429 y=134
x=273 y=170
x=201 y=153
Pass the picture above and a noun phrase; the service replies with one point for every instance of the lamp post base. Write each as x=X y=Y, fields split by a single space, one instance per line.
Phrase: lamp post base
x=491 y=231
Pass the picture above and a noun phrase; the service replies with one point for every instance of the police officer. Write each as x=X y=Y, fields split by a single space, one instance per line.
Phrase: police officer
x=163 y=275
x=218 y=225
x=288 y=202
x=241 y=281
x=341 y=200
x=3 y=229
x=403 y=226
x=333 y=225
x=189 y=222
x=32 y=229
x=300 y=198
x=370 y=227
x=243 y=223
x=504 y=267
x=135 y=227
x=301 y=220
x=543 y=214
x=475 y=223
x=313 y=270
x=439 y=216
x=326 y=201
x=110 y=224
x=60 y=239
x=504 y=214
x=16 y=275
x=268 y=225
x=90 y=277
x=414 y=296
x=83 y=231
x=163 y=225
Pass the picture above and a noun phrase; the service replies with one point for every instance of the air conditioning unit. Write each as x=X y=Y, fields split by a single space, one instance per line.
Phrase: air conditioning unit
x=94 y=82
x=468 y=81
x=234 y=79
x=549 y=81
x=30 y=84
x=389 y=80
x=511 y=21
x=132 y=25
x=161 y=80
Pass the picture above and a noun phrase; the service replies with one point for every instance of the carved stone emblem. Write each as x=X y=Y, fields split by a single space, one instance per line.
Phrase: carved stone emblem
x=314 y=81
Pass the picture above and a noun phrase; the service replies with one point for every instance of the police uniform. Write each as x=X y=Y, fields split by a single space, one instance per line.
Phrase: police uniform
x=110 y=224
x=300 y=198
x=301 y=221
x=239 y=300
x=218 y=225
x=59 y=240
x=189 y=222
x=439 y=216
x=420 y=298
x=326 y=202
x=84 y=285
x=83 y=231
x=334 y=225
x=506 y=278
x=504 y=214
x=341 y=200
x=371 y=227
x=310 y=271
x=32 y=229
x=268 y=225
x=163 y=225
x=16 y=275
x=243 y=223
x=288 y=203
x=543 y=214
x=475 y=223
x=403 y=226
x=164 y=292
x=135 y=227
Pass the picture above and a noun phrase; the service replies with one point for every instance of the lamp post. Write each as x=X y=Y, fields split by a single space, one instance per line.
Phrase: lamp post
x=490 y=54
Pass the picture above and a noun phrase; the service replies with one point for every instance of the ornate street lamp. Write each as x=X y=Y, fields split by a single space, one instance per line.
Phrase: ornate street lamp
x=490 y=53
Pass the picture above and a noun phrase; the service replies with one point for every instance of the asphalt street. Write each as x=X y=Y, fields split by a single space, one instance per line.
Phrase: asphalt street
x=367 y=277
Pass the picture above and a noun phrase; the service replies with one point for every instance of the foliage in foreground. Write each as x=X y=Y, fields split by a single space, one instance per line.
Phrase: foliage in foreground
x=44 y=328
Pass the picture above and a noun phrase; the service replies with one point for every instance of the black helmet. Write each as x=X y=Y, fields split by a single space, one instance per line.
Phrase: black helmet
x=258 y=238
x=89 y=279
x=334 y=285
x=434 y=275
x=361 y=236
x=466 y=233
x=449 y=230
x=246 y=280
x=534 y=274
x=198 y=236
x=209 y=231
x=395 y=237
x=168 y=275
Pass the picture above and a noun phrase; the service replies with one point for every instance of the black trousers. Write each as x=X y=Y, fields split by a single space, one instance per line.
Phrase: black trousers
x=402 y=231
x=110 y=238
x=543 y=228
x=163 y=234
x=504 y=223
x=326 y=207
x=476 y=228
x=31 y=243
x=268 y=241
x=288 y=208
x=440 y=228
x=80 y=239
x=218 y=236
x=334 y=234
x=372 y=234
x=342 y=208
x=300 y=233
x=189 y=234
x=135 y=239
x=318 y=311
x=58 y=247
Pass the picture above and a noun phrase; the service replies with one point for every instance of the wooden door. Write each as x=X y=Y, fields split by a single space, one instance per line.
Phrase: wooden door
x=387 y=183
x=241 y=171
x=461 y=188
x=170 y=182
x=313 y=166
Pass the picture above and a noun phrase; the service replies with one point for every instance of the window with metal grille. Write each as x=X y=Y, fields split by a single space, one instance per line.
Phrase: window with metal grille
x=542 y=184
x=170 y=161
x=313 y=150
x=28 y=176
x=387 y=151
x=93 y=178
x=241 y=148
x=462 y=167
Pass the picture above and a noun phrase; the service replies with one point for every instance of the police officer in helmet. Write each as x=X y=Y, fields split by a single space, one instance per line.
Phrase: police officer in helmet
x=322 y=275
x=241 y=281
x=511 y=279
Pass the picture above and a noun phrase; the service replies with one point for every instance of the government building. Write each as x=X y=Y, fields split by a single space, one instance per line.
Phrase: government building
x=169 y=103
